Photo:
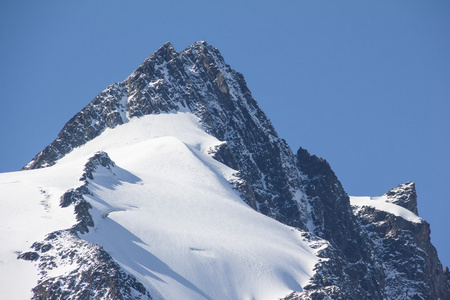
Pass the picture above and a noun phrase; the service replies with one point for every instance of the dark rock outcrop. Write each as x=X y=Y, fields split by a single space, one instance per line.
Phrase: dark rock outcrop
x=89 y=271
x=351 y=262
x=107 y=110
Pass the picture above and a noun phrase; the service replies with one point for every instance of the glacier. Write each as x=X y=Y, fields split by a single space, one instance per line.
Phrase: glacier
x=166 y=212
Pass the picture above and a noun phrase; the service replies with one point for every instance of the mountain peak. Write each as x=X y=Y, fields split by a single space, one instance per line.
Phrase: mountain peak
x=165 y=53
x=404 y=195
x=187 y=124
x=167 y=44
x=201 y=43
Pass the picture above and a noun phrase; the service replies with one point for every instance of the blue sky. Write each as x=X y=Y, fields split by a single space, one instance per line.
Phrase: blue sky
x=364 y=84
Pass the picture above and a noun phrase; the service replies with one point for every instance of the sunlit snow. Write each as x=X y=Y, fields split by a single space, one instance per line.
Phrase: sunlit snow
x=166 y=213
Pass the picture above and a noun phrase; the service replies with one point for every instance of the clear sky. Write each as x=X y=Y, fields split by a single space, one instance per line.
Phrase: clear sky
x=364 y=84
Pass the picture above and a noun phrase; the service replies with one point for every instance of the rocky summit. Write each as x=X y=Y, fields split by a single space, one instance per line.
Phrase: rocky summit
x=174 y=184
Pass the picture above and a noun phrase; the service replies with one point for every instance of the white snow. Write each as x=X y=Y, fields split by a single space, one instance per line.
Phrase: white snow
x=381 y=203
x=166 y=213
x=29 y=209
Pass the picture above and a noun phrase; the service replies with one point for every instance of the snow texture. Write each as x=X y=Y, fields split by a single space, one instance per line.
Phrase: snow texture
x=165 y=212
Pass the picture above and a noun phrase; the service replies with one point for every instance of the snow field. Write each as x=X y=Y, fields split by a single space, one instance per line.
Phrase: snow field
x=29 y=209
x=194 y=238
x=167 y=214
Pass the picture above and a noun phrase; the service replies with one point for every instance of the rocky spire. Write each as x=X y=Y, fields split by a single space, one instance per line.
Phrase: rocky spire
x=404 y=195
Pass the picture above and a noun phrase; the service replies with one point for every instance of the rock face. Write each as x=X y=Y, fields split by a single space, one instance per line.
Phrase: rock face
x=351 y=260
x=299 y=190
x=106 y=110
x=408 y=258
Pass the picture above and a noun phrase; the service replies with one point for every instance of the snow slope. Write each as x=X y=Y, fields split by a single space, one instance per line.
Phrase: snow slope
x=29 y=209
x=166 y=213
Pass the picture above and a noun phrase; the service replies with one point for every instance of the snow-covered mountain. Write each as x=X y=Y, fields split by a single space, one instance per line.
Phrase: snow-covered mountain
x=173 y=184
